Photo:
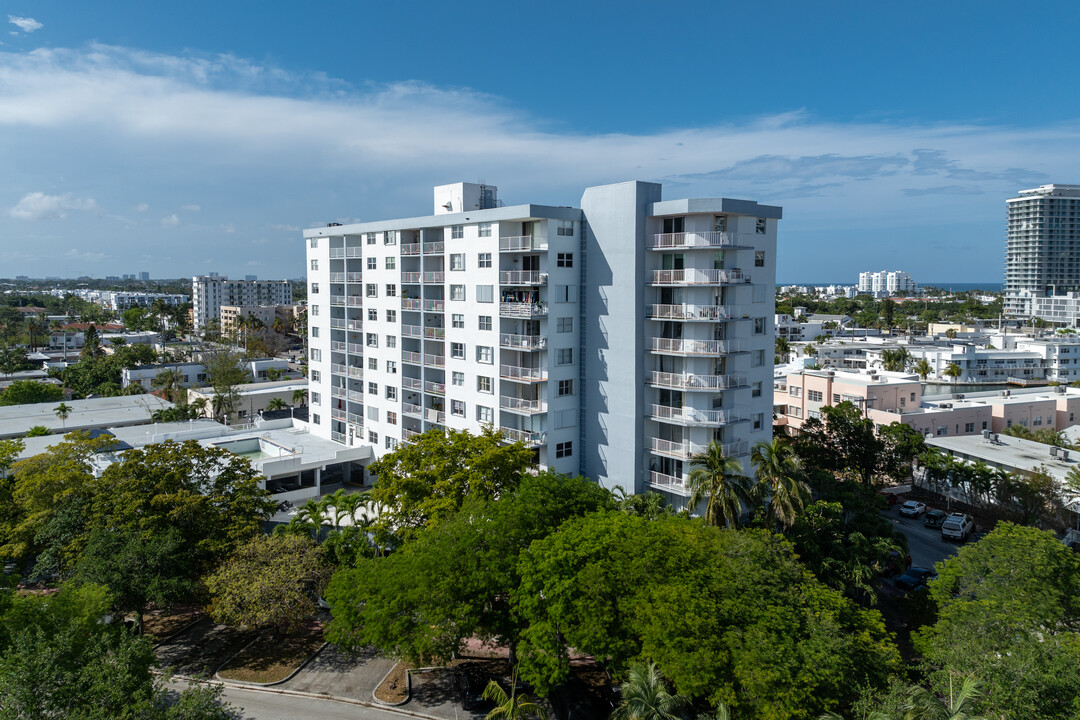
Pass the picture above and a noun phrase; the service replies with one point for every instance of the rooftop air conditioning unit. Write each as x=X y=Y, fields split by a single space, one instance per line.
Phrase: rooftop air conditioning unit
x=1053 y=451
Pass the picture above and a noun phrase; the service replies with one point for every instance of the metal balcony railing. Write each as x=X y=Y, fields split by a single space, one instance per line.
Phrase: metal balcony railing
x=522 y=374
x=711 y=313
x=522 y=342
x=522 y=243
x=522 y=310
x=691 y=240
x=522 y=405
x=694 y=347
x=690 y=381
x=696 y=276
x=522 y=277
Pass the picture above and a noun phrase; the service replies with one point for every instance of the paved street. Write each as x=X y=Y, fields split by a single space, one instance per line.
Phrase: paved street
x=924 y=544
x=259 y=705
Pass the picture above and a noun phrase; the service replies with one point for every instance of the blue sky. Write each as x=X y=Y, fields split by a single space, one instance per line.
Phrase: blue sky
x=183 y=138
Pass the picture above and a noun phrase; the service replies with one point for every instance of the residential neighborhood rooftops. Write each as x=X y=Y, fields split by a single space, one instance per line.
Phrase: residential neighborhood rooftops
x=16 y=420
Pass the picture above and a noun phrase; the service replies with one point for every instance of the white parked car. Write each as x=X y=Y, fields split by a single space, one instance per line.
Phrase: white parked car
x=957 y=526
x=913 y=508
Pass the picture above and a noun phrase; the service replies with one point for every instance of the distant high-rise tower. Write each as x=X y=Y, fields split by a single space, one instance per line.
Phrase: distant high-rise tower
x=1042 y=254
x=144 y=276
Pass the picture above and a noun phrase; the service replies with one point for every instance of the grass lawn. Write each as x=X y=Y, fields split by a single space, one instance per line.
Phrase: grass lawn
x=159 y=625
x=272 y=658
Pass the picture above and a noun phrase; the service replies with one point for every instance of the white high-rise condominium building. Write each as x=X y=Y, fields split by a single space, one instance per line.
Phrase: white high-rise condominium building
x=616 y=339
x=210 y=292
x=886 y=281
x=1042 y=254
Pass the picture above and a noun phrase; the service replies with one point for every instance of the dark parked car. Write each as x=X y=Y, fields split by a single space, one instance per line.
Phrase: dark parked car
x=915 y=578
x=934 y=518
x=469 y=683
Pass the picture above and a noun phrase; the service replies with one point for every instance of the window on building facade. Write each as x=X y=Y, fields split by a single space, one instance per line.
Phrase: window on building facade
x=372 y=314
x=391 y=392
x=314 y=264
x=483 y=384
x=483 y=260
x=457 y=292
x=457 y=232
x=564 y=260
x=316 y=419
x=457 y=261
x=314 y=309
x=370 y=238
x=373 y=363
x=755 y=389
x=391 y=443
x=372 y=340
x=371 y=290
x=457 y=321
x=485 y=293
x=457 y=351
x=757 y=358
x=391 y=316
x=564 y=449
x=315 y=354
x=373 y=437
x=485 y=322
x=315 y=399
x=391 y=262
x=314 y=332
x=719 y=223
x=391 y=290
x=565 y=388
x=564 y=356
x=316 y=376
x=485 y=354
x=485 y=414
x=484 y=230
x=391 y=367
x=814 y=395
x=564 y=293
x=457 y=378
x=457 y=407
x=314 y=288
x=758 y=421
x=391 y=418
x=759 y=258
x=373 y=388
x=565 y=228
x=391 y=341
x=389 y=238
x=759 y=326
x=372 y=263
x=759 y=228
x=314 y=242
x=564 y=324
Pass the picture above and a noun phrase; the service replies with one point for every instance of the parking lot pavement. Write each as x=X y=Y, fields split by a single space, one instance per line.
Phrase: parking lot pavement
x=924 y=544
x=433 y=694
x=334 y=673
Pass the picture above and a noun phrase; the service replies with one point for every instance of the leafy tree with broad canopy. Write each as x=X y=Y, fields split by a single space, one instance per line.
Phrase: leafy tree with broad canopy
x=454 y=581
x=730 y=617
x=428 y=479
x=1009 y=614
x=846 y=441
x=59 y=660
x=271 y=582
x=25 y=392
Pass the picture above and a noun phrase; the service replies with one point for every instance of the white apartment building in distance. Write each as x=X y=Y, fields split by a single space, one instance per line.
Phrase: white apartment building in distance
x=210 y=292
x=886 y=282
x=1042 y=254
x=616 y=339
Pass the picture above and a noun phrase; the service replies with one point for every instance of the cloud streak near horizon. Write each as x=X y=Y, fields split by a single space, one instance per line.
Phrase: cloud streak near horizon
x=260 y=151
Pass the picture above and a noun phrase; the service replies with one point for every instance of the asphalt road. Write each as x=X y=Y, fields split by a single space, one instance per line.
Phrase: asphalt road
x=258 y=705
x=924 y=544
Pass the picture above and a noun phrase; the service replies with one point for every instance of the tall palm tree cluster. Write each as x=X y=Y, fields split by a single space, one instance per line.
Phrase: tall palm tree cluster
x=778 y=486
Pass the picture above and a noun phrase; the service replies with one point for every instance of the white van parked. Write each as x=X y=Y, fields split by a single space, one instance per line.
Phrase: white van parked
x=957 y=526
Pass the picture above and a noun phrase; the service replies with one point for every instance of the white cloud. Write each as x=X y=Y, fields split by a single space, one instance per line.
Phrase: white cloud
x=40 y=206
x=285 y=148
x=191 y=208
x=141 y=207
x=27 y=25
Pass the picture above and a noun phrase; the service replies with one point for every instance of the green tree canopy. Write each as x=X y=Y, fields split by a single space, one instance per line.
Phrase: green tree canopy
x=1009 y=614
x=24 y=392
x=429 y=478
x=270 y=582
x=454 y=580
x=728 y=616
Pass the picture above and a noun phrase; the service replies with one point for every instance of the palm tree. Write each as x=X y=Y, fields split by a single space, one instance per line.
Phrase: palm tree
x=895 y=360
x=512 y=706
x=645 y=696
x=170 y=381
x=199 y=406
x=718 y=480
x=299 y=396
x=779 y=472
x=923 y=368
x=783 y=347
x=925 y=705
x=63 y=410
x=954 y=371
x=276 y=404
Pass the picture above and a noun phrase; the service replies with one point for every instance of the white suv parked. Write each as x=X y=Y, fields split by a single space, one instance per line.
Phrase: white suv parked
x=957 y=526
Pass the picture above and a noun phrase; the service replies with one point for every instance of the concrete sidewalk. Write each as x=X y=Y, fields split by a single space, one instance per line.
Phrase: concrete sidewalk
x=332 y=672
